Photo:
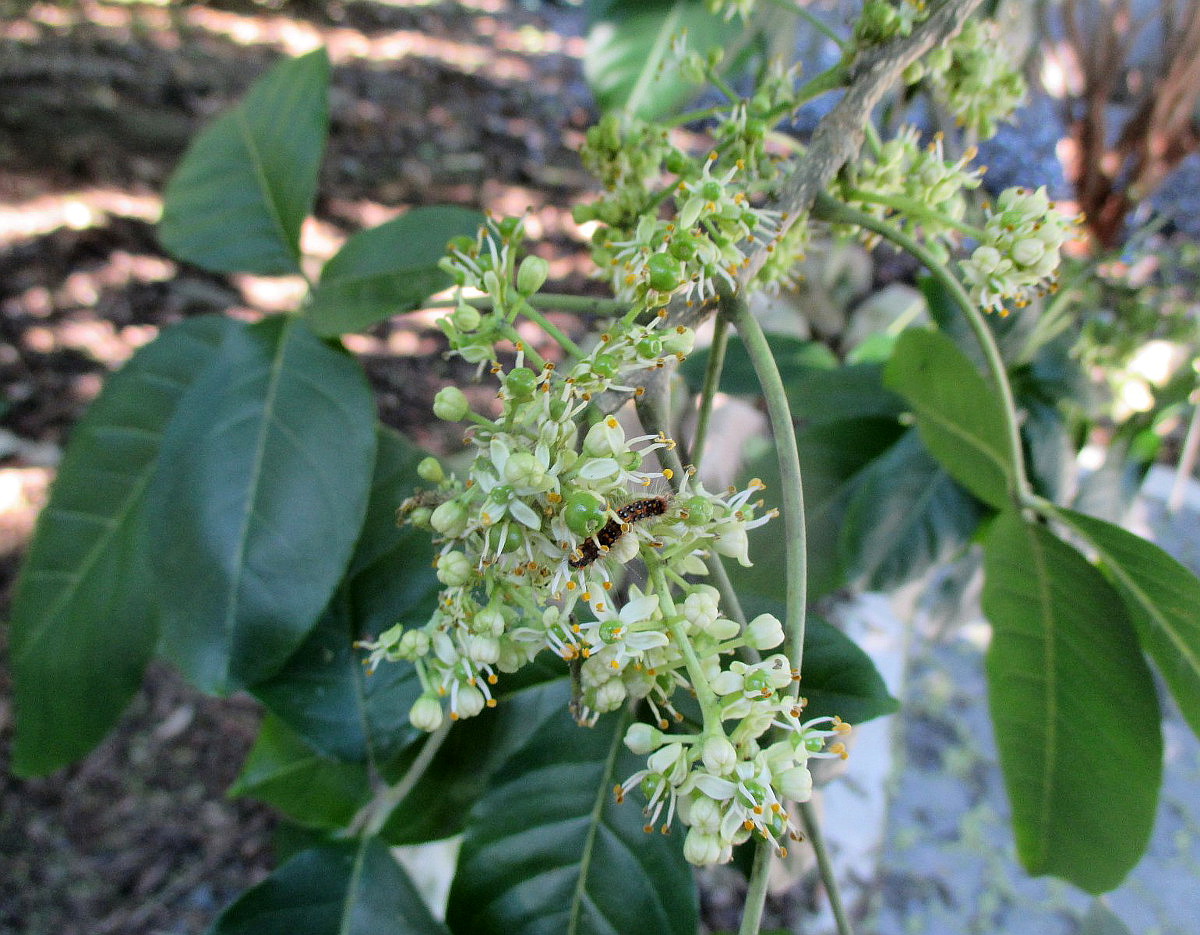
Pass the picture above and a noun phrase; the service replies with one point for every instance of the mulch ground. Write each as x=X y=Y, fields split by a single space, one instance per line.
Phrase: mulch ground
x=479 y=105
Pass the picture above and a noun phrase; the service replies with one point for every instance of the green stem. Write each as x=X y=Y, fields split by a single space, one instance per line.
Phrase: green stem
x=704 y=693
x=559 y=302
x=830 y=209
x=914 y=209
x=790 y=481
x=551 y=329
x=694 y=116
x=830 y=78
x=756 y=892
x=511 y=333
x=712 y=380
x=375 y=815
x=815 y=22
x=812 y=828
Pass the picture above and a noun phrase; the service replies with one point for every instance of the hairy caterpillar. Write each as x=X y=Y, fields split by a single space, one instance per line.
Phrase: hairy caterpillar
x=610 y=532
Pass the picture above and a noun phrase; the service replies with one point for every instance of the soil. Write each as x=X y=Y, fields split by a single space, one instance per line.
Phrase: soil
x=477 y=104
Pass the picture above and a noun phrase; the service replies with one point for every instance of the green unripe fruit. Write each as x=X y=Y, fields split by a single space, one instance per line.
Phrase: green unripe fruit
x=664 y=272
x=605 y=367
x=675 y=161
x=610 y=631
x=461 y=245
x=679 y=341
x=699 y=510
x=649 y=348
x=509 y=226
x=683 y=246
x=711 y=191
x=450 y=519
x=520 y=383
x=584 y=513
x=757 y=682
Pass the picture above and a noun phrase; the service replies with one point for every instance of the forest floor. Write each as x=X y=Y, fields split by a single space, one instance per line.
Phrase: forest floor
x=480 y=105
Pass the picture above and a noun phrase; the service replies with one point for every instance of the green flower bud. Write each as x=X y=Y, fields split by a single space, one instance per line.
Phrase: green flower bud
x=642 y=739
x=795 y=784
x=605 y=366
x=532 y=274
x=679 y=341
x=451 y=404
x=426 y=713
x=764 y=632
x=454 y=569
x=650 y=347
x=524 y=470
x=450 y=519
x=466 y=318
x=719 y=755
x=430 y=471
x=604 y=439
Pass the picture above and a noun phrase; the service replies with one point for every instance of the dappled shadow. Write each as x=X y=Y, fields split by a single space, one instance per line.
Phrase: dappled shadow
x=478 y=105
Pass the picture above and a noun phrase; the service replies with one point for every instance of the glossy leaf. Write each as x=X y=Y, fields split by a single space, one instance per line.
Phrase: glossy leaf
x=83 y=622
x=959 y=416
x=819 y=389
x=629 y=41
x=1163 y=599
x=833 y=456
x=793 y=356
x=355 y=888
x=905 y=515
x=247 y=182
x=387 y=270
x=258 y=500
x=283 y=771
x=547 y=850
x=324 y=692
x=460 y=772
x=1074 y=706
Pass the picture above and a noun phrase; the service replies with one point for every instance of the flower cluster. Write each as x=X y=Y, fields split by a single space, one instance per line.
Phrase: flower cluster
x=974 y=77
x=727 y=787
x=1019 y=253
x=534 y=540
x=915 y=185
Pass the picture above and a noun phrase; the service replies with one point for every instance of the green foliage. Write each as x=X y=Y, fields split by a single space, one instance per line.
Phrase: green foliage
x=231 y=501
x=547 y=849
x=351 y=888
x=630 y=40
x=84 y=618
x=1076 y=714
x=236 y=202
x=386 y=270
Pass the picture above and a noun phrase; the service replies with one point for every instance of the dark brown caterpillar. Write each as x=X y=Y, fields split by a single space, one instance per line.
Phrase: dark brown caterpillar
x=610 y=532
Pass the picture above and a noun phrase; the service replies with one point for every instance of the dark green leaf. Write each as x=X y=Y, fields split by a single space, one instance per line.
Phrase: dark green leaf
x=258 y=500
x=819 y=389
x=438 y=805
x=283 y=771
x=548 y=851
x=905 y=515
x=337 y=889
x=629 y=41
x=959 y=416
x=832 y=457
x=1073 y=702
x=248 y=181
x=386 y=270
x=838 y=677
x=323 y=691
x=1163 y=599
x=792 y=355
x=83 y=623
